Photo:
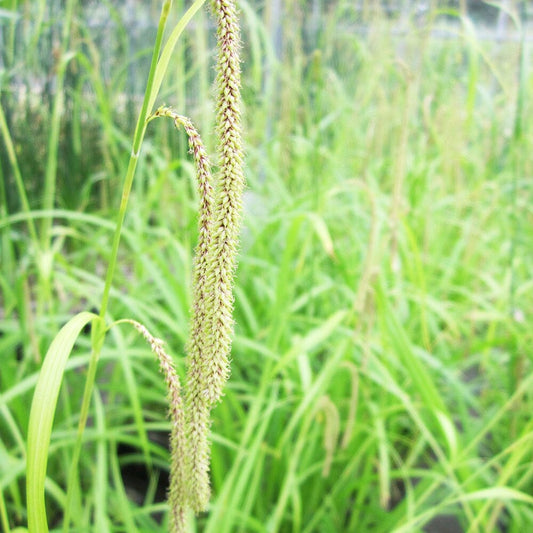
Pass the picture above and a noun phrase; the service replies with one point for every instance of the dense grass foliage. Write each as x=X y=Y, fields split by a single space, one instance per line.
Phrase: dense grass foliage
x=381 y=365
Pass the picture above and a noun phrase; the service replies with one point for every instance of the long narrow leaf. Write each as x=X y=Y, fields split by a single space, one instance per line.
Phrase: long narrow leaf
x=42 y=416
x=164 y=59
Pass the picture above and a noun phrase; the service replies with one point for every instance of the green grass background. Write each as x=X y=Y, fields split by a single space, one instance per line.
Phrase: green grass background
x=381 y=366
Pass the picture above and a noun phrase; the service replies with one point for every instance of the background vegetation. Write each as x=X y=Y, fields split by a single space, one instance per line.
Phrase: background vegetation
x=381 y=374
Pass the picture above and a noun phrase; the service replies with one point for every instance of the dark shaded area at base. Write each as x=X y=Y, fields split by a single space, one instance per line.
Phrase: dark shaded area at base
x=444 y=524
x=135 y=476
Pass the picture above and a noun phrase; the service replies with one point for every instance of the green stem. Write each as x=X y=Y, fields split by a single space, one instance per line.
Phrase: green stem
x=53 y=139
x=138 y=137
x=155 y=78
x=157 y=70
x=11 y=154
x=3 y=513
x=98 y=330
x=44 y=256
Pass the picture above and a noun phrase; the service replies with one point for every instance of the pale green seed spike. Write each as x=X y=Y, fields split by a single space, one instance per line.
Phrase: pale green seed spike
x=210 y=370
x=177 y=494
x=211 y=327
x=177 y=497
x=188 y=463
x=230 y=183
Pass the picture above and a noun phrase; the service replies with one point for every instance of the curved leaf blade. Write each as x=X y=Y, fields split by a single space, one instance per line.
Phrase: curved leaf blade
x=42 y=416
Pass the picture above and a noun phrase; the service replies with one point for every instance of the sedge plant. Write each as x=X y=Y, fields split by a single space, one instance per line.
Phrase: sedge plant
x=211 y=321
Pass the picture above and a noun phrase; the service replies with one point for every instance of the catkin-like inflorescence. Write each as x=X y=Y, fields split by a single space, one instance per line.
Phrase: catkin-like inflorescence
x=195 y=459
x=213 y=295
x=230 y=185
x=211 y=326
x=177 y=493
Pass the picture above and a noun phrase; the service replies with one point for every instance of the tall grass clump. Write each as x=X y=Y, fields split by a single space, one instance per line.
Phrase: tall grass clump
x=211 y=325
x=381 y=370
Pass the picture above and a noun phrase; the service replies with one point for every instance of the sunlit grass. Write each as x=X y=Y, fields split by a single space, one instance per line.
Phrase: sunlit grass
x=380 y=368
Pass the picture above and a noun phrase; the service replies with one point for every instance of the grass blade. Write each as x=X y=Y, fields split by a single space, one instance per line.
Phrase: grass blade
x=42 y=415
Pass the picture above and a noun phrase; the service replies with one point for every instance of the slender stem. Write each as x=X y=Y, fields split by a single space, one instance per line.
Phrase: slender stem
x=11 y=154
x=98 y=328
x=53 y=139
x=158 y=68
x=138 y=137
x=3 y=513
x=97 y=339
